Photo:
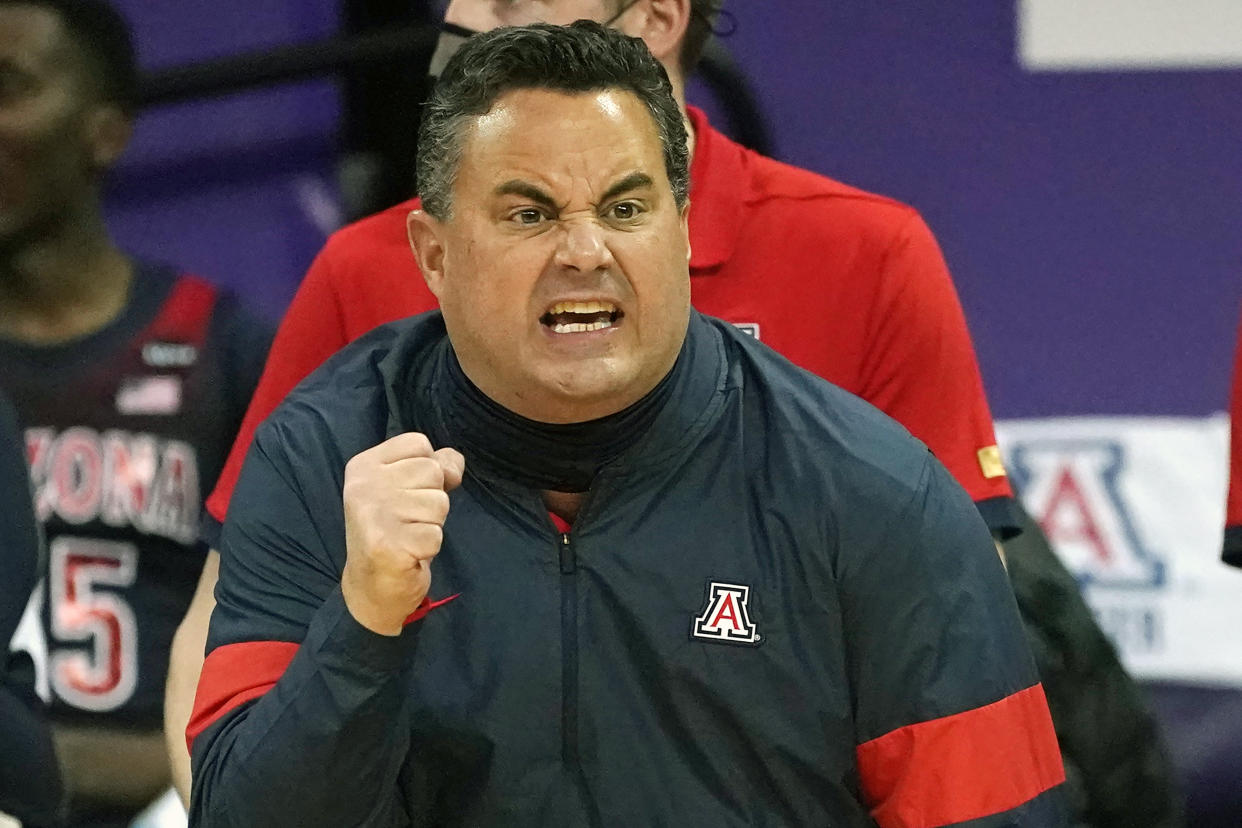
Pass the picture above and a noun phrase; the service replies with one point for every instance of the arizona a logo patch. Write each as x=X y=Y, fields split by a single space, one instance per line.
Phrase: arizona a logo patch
x=748 y=328
x=727 y=616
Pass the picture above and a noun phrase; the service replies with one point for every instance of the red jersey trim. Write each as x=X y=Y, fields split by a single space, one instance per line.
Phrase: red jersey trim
x=186 y=313
x=962 y=767
x=237 y=673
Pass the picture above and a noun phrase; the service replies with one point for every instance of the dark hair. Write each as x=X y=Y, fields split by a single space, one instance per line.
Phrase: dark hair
x=698 y=31
x=582 y=57
x=102 y=36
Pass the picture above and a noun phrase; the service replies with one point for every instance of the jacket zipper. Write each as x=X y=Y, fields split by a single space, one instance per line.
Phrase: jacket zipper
x=569 y=675
x=569 y=654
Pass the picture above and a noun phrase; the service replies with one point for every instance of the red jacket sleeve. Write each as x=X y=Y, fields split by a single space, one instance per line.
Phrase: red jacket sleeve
x=920 y=368
x=365 y=276
x=312 y=330
x=1233 y=505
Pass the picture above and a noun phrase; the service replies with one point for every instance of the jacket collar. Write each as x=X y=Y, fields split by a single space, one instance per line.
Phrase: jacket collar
x=413 y=373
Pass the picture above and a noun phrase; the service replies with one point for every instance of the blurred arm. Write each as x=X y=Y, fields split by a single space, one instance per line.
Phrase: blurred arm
x=184 y=667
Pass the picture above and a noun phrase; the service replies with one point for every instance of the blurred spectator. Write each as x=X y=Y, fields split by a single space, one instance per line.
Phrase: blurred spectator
x=129 y=380
x=1118 y=772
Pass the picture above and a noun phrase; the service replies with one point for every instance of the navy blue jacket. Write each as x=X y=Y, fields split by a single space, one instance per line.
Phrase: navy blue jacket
x=776 y=609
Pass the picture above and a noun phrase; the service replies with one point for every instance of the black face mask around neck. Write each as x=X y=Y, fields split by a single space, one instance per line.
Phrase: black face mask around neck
x=545 y=456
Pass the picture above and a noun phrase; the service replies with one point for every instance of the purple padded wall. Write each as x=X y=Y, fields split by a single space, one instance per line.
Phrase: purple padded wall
x=239 y=189
x=1091 y=220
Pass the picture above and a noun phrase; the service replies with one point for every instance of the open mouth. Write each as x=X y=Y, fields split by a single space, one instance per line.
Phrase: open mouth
x=579 y=317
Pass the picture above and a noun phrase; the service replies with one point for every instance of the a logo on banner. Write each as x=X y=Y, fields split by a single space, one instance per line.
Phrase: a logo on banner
x=1073 y=489
x=727 y=616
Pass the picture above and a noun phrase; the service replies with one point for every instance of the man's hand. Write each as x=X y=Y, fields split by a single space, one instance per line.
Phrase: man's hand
x=396 y=500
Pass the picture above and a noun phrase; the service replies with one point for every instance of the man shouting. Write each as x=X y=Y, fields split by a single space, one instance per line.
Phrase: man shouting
x=568 y=553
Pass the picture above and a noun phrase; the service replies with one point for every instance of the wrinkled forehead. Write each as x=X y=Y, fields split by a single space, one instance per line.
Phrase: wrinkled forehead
x=613 y=110
x=554 y=130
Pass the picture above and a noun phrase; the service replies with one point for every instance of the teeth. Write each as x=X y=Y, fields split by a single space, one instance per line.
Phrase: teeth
x=578 y=327
x=582 y=307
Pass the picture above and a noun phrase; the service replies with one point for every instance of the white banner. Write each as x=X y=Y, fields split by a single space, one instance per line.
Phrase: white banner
x=1129 y=35
x=1135 y=507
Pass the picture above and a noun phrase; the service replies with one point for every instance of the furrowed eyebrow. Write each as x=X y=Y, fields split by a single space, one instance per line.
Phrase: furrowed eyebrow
x=633 y=181
x=525 y=190
x=517 y=187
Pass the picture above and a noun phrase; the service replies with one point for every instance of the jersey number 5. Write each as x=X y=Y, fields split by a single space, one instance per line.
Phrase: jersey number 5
x=104 y=677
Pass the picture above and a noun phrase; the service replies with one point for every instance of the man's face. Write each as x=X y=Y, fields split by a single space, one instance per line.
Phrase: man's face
x=485 y=15
x=45 y=156
x=564 y=276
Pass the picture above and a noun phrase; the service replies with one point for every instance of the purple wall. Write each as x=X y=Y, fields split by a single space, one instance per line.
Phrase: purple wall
x=238 y=189
x=1093 y=221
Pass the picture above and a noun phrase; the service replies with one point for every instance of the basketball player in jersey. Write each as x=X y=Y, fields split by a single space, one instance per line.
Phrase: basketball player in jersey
x=129 y=379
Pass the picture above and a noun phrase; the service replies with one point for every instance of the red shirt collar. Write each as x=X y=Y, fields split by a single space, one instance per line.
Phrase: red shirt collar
x=717 y=192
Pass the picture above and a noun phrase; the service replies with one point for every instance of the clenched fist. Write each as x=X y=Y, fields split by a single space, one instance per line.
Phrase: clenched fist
x=396 y=500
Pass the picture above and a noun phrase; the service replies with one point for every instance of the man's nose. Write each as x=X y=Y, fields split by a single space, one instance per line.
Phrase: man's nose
x=583 y=246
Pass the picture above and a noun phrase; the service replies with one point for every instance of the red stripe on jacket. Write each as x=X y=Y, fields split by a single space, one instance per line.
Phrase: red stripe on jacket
x=236 y=673
x=233 y=675
x=962 y=767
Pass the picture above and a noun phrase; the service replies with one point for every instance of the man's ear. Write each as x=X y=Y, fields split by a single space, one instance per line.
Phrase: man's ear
x=426 y=234
x=108 y=130
x=662 y=26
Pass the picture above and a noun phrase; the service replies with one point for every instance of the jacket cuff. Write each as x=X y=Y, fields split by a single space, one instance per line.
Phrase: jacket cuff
x=1002 y=516
x=1232 y=551
x=337 y=637
x=209 y=531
